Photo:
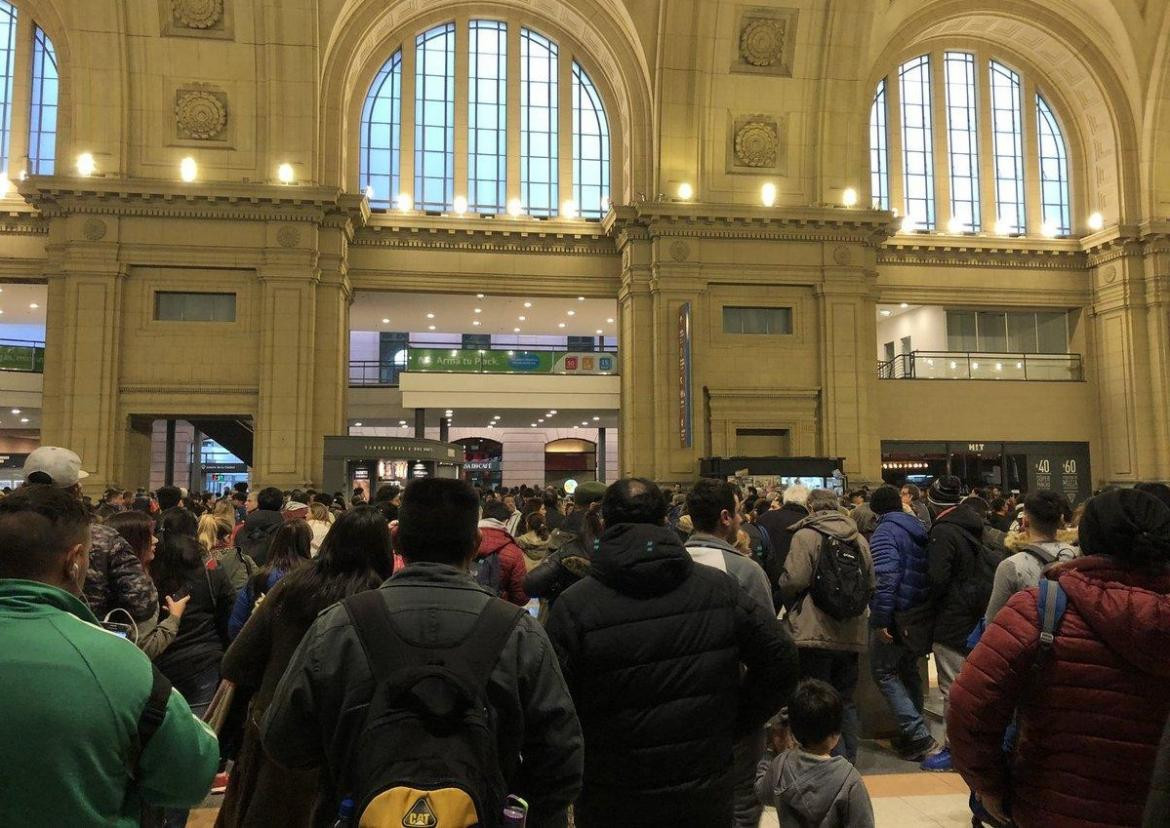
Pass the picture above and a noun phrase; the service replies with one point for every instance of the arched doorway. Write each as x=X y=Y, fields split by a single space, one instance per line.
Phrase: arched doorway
x=570 y=458
x=481 y=461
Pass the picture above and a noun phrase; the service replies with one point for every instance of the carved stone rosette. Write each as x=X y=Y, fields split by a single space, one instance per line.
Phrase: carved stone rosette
x=197 y=14
x=755 y=144
x=200 y=115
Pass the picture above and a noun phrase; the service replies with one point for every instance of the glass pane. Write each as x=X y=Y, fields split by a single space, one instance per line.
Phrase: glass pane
x=917 y=141
x=381 y=135
x=1053 y=170
x=879 y=153
x=434 y=125
x=590 y=146
x=538 y=123
x=1007 y=140
x=964 y=140
x=7 y=57
x=1021 y=331
x=42 y=126
x=1052 y=332
x=488 y=111
x=194 y=307
x=992 y=331
x=961 y=331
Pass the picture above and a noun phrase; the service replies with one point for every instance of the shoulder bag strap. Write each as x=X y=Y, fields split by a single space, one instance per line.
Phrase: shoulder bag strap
x=1051 y=602
x=481 y=649
x=152 y=716
x=385 y=649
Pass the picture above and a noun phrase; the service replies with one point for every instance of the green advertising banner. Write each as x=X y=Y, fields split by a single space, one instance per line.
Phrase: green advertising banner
x=452 y=360
x=22 y=358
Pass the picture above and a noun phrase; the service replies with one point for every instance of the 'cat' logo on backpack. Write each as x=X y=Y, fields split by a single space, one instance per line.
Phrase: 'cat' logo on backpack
x=427 y=755
x=840 y=586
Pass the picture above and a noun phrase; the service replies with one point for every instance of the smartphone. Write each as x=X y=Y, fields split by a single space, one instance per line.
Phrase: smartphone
x=120 y=630
x=181 y=593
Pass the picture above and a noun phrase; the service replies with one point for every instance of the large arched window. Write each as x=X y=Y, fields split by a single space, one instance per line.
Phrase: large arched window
x=560 y=155
x=28 y=61
x=973 y=157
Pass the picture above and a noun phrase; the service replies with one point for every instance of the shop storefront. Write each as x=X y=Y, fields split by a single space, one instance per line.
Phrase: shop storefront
x=482 y=459
x=12 y=470
x=365 y=463
x=1013 y=467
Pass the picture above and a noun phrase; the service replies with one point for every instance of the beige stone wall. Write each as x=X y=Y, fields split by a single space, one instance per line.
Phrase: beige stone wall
x=723 y=95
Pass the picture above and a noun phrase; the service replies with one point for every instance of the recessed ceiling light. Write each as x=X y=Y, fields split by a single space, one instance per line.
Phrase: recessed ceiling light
x=479 y=296
x=552 y=411
x=584 y=422
x=430 y=316
x=515 y=330
x=576 y=426
x=16 y=411
x=479 y=310
x=595 y=419
x=522 y=318
x=885 y=312
x=527 y=304
x=496 y=417
x=402 y=422
x=449 y=411
x=475 y=322
x=24 y=419
x=430 y=327
x=600 y=331
x=610 y=320
x=580 y=298
x=385 y=321
x=560 y=324
x=34 y=305
x=357 y=424
x=904 y=305
x=571 y=313
x=534 y=425
x=540 y=419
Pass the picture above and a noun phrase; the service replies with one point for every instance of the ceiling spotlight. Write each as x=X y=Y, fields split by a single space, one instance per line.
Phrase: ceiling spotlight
x=475 y=322
x=560 y=324
x=24 y=419
x=479 y=296
x=430 y=316
x=595 y=419
x=540 y=419
x=571 y=313
x=527 y=304
x=522 y=318
x=580 y=298
x=188 y=169
x=479 y=310
x=685 y=191
x=610 y=320
x=385 y=321
x=357 y=424
x=849 y=197
x=430 y=327
x=576 y=426
x=1096 y=221
x=402 y=422
x=885 y=312
x=16 y=411
x=768 y=194
x=449 y=412
x=600 y=331
x=534 y=425
x=85 y=164
x=904 y=305
x=496 y=417
x=460 y=205
x=34 y=305
x=552 y=411
x=515 y=330
x=285 y=174
x=489 y=425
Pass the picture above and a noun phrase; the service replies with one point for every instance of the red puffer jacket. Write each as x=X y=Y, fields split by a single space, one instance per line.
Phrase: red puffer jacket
x=1089 y=731
x=495 y=540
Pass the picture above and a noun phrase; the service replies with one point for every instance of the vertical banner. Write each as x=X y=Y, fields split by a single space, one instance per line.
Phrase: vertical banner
x=684 y=375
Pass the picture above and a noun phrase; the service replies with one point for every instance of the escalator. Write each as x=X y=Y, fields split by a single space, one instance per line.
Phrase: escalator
x=233 y=433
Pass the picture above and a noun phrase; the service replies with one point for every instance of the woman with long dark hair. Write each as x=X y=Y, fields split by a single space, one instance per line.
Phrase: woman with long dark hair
x=289 y=549
x=355 y=556
x=137 y=529
x=191 y=662
x=570 y=548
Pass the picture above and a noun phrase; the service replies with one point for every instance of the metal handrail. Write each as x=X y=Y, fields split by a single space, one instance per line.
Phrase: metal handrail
x=990 y=365
x=386 y=373
x=22 y=355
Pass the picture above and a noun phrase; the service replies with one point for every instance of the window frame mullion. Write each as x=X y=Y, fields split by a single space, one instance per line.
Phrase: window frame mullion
x=21 y=94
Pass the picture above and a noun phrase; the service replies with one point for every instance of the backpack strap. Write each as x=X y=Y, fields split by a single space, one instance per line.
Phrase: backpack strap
x=481 y=648
x=385 y=649
x=152 y=716
x=1051 y=602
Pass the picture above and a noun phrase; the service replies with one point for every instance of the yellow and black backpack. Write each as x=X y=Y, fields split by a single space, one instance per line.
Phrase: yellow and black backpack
x=427 y=756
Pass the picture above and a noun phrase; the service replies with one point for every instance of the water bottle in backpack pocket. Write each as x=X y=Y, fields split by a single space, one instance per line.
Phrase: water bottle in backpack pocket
x=427 y=755
x=840 y=583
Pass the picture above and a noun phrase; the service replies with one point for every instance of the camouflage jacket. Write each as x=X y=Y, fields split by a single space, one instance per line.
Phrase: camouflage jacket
x=116 y=578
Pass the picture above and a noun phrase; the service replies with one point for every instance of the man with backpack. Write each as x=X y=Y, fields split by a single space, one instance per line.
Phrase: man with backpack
x=428 y=701
x=961 y=561
x=827 y=582
x=1045 y=512
x=499 y=562
x=254 y=535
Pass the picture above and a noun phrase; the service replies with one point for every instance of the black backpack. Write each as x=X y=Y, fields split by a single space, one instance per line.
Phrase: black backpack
x=427 y=753
x=488 y=572
x=840 y=585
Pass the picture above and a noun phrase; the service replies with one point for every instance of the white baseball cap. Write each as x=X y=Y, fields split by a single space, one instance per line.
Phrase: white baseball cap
x=60 y=465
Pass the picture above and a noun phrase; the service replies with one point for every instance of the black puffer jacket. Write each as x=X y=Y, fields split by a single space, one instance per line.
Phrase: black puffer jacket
x=566 y=563
x=961 y=573
x=651 y=646
x=779 y=523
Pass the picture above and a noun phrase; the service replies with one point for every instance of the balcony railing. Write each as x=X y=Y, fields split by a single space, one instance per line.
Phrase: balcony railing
x=482 y=361
x=27 y=356
x=961 y=365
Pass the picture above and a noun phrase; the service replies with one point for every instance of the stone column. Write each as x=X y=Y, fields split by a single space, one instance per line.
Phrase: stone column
x=636 y=357
x=420 y=423
x=601 y=454
x=169 y=460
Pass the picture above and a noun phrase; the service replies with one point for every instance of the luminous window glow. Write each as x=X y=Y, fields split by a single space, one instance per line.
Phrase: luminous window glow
x=917 y=141
x=381 y=134
x=7 y=60
x=1008 y=144
x=590 y=147
x=487 y=117
x=1053 y=169
x=538 y=124
x=42 y=126
x=879 y=151
x=434 y=119
x=963 y=138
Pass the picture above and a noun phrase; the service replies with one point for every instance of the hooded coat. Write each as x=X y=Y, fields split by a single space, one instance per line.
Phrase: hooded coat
x=898 y=546
x=809 y=624
x=1095 y=712
x=651 y=646
x=494 y=539
x=961 y=571
x=814 y=792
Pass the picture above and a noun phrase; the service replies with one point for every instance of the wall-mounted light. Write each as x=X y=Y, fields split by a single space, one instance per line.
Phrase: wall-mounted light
x=460 y=205
x=685 y=191
x=188 y=169
x=849 y=197
x=285 y=174
x=404 y=202
x=1096 y=222
x=86 y=165
x=768 y=194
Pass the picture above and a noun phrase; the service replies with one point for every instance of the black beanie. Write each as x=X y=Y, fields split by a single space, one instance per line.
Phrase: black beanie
x=946 y=491
x=886 y=499
x=1129 y=525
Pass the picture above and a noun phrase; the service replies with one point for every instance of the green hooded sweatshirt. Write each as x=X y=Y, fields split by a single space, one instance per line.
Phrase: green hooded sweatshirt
x=71 y=694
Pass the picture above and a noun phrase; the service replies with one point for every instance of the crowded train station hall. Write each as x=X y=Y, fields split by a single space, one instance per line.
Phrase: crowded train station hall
x=595 y=413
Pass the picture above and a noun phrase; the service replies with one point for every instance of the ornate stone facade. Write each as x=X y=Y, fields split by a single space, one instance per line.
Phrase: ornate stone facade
x=765 y=41
x=755 y=144
x=197 y=14
x=201 y=114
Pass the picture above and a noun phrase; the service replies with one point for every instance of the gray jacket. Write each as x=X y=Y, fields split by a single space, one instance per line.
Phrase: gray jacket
x=813 y=792
x=318 y=710
x=809 y=625
x=712 y=551
x=1023 y=570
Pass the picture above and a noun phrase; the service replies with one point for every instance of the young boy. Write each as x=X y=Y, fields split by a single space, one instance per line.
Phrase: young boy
x=808 y=787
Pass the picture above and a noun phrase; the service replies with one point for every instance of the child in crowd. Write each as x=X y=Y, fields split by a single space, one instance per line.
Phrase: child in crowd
x=808 y=787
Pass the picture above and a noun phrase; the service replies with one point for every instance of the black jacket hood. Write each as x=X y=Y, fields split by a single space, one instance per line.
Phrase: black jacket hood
x=641 y=559
x=257 y=523
x=964 y=517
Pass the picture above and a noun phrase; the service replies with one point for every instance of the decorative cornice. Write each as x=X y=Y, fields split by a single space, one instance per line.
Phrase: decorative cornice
x=23 y=223
x=56 y=196
x=631 y=222
x=217 y=390
x=499 y=235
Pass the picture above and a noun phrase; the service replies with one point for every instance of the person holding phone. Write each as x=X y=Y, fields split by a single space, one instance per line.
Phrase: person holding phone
x=137 y=529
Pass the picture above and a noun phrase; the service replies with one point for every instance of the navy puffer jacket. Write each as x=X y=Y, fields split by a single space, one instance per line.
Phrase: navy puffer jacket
x=898 y=546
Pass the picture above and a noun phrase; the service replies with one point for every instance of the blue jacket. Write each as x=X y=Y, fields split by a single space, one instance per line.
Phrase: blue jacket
x=246 y=602
x=898 y=547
